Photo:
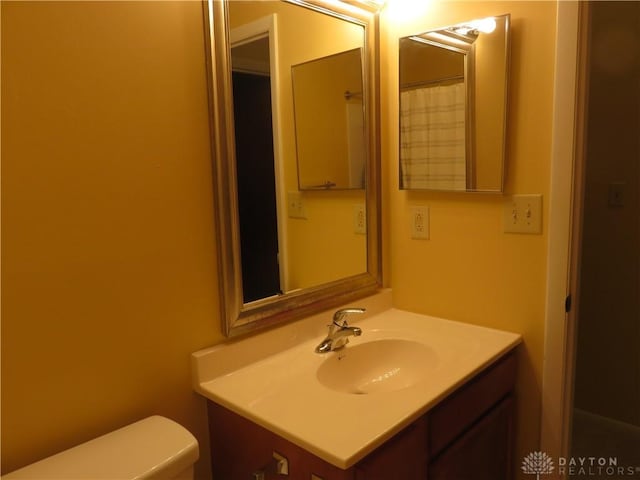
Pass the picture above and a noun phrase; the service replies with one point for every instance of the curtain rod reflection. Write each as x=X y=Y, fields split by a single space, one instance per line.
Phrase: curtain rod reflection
x=348 y=95
x=326 y=185
x=437 y=81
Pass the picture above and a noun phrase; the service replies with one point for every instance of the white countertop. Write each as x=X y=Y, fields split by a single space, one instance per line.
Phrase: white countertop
x=270 y=378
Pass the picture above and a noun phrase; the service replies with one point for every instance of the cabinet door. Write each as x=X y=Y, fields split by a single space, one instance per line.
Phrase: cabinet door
x=482 y=453
x=403 y=457
x=467 y=405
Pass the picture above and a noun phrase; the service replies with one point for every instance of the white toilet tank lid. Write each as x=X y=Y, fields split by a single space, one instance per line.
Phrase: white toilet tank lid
x=153 y=448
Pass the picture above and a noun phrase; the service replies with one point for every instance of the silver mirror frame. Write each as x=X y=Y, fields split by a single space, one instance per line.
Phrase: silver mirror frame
x=237 y=317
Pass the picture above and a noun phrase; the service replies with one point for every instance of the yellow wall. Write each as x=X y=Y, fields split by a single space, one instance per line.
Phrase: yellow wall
x=470 y=270
x=108 y=248
x=327 y=248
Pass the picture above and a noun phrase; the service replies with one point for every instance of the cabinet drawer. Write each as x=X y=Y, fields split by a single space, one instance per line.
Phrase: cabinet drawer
x=464 y=407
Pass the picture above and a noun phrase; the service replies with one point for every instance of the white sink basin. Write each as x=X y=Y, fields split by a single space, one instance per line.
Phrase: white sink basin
x=378 y=366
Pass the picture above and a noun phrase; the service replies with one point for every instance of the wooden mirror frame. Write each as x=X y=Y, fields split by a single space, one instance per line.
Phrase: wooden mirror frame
x=237 y=317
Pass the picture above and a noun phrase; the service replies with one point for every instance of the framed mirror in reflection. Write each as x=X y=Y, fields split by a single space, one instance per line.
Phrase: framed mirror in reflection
x=290 y=247
x=329 y=122
x=453 y=104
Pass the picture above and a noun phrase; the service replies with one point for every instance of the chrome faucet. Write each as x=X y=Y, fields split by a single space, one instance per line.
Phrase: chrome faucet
x=339 y=331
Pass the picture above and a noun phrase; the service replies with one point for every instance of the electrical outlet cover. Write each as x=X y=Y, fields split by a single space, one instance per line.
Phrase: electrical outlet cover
x=419 y=223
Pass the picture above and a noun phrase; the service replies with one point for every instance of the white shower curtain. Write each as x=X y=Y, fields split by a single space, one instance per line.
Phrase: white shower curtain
x=432 y=137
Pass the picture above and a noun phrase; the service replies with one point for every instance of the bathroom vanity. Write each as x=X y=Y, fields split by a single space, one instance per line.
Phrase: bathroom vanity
x=466 y=436
x=413 y=397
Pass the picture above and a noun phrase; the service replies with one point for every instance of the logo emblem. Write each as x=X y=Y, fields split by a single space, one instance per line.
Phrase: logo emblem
x=537 y=463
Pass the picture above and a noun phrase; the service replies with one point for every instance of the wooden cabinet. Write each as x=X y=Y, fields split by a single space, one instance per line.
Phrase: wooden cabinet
x=483 y=451
x=239 y=448
x=466 y=436
x=402 y=457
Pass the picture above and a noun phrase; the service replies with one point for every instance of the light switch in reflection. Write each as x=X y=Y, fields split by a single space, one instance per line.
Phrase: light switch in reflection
x=295 y=205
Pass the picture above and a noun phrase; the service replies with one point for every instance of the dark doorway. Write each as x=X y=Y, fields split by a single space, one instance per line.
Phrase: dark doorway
x=606 y=415
x=256 y=186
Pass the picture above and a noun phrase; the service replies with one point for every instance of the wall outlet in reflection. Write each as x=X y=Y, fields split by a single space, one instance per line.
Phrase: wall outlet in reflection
x=295 y=205
x=359 y=219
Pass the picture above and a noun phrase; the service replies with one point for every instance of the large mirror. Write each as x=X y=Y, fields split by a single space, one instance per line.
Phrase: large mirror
x=289 y=248
x=453 y=105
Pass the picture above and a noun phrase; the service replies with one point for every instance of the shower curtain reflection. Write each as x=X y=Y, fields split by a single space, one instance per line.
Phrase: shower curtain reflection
x=432 y=137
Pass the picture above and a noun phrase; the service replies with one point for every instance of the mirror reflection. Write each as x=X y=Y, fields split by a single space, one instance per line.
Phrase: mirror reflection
x=329 y=121
x=453 y=94
x=291 y=239
x=255 y=168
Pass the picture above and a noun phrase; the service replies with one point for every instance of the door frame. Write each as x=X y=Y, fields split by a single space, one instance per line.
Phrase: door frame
x=268 y=26
x=565 y=227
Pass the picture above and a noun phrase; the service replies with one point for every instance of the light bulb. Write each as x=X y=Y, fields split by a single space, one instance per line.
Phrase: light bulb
x=485 y=25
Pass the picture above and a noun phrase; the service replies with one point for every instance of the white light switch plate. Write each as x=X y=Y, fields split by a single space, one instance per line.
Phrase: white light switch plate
x=523 y=214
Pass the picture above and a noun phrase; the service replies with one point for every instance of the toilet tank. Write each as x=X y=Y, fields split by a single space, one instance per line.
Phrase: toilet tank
x=152 y=449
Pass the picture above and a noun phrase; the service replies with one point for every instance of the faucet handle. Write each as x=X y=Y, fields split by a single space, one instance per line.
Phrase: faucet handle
x=340 y=314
